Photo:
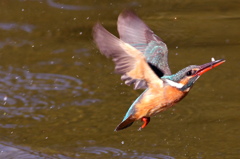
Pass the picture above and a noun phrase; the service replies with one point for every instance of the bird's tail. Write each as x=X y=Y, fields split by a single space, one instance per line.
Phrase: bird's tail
x=126 y=123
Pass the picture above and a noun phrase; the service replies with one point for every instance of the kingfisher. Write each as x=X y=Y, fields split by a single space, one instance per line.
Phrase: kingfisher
x=141 y=57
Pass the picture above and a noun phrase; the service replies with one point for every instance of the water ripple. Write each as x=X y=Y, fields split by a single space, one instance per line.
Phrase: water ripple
x=117 y=152
x=15 y=43
x=67 y=7
x=12 y=151
x=13 y=26
x=22 y=93
x=58 y=5
x=103 y=150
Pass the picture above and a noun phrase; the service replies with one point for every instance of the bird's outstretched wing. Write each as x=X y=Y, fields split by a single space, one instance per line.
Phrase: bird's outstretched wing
x=135 y=32
x=128 y=60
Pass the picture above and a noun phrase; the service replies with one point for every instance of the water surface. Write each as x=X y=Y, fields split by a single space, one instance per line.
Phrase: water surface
x=60 y=98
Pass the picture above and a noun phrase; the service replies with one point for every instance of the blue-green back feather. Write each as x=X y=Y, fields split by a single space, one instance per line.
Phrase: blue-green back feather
x=132 y=109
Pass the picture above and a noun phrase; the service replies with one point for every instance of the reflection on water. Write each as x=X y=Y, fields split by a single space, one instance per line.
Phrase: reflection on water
x=117 y=152
x=101 y=150
x=63 y=6
x=13 y=26
x=22 y=92
x=14 y=42
x=54 y=4
x=8 y=152
x=51 y=78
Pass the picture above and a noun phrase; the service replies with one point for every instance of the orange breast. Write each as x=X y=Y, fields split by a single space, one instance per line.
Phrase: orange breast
x=157 y=100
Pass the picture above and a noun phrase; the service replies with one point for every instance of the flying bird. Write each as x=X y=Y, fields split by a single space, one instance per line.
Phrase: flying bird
x=141 y=57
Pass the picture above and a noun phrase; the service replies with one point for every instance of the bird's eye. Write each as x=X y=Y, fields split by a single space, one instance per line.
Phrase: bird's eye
x=191 y=72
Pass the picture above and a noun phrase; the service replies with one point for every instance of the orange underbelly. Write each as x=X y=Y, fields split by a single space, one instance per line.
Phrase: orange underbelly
x=155 y=101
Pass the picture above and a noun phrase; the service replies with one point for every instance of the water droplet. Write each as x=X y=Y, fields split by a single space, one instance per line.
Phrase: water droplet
x=5 y=98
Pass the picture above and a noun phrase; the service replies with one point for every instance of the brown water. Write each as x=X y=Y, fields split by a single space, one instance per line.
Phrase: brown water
x=60 y=98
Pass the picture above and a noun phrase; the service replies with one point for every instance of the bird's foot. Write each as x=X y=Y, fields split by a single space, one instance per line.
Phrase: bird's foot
x=145 y=121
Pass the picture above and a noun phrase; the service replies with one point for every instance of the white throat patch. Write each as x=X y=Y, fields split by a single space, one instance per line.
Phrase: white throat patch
x=174 y=84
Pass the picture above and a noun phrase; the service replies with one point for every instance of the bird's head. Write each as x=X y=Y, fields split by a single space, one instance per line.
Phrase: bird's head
x=185 y=78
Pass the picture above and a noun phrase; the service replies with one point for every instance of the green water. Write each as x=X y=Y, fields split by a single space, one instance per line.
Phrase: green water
x=60 y=98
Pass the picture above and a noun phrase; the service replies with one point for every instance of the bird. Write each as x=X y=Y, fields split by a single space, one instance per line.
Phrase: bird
x=141 y=58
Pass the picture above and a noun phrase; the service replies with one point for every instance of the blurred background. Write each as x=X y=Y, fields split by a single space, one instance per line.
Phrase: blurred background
x=60 y=98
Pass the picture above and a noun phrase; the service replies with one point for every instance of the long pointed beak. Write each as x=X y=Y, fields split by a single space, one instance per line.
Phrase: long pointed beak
x=208 y=66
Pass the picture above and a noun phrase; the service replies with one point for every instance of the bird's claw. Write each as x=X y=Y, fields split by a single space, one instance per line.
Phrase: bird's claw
x=145 y=121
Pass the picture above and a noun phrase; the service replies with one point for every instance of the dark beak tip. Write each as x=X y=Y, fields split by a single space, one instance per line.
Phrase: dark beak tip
x=214 y=63
x=218 y=62
x=221 y=60
x=208 y=66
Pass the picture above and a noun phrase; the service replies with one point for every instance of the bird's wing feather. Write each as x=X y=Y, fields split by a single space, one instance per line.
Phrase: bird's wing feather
x=128 y=60
x=135 y=32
